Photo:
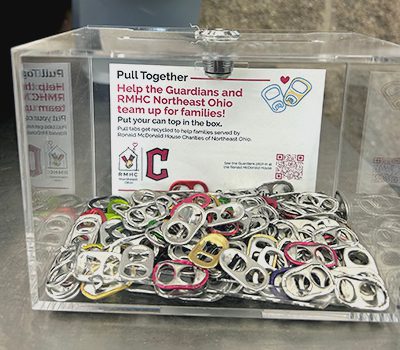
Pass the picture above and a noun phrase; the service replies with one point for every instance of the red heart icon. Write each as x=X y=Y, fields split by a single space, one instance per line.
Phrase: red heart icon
x=285 y=79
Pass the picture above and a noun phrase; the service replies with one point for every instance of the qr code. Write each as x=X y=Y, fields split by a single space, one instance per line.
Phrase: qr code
x=386 y=170
x=289 y=166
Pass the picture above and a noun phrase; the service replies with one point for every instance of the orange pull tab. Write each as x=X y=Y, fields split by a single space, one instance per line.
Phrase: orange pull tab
x=206 y=253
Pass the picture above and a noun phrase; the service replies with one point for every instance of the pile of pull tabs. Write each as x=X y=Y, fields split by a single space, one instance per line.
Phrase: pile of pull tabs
x=267 y=244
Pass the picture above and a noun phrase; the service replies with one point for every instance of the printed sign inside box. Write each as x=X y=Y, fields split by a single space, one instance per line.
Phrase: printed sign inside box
x=170 y=123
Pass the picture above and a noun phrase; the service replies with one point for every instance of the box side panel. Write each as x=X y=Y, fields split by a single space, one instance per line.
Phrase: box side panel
x=55 y=128
x=369 y=168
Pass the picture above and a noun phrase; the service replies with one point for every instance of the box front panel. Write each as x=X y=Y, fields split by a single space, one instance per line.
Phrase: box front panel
x=125 y=113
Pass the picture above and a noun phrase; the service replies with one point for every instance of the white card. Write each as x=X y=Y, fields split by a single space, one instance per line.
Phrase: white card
x=173 y=123
x=48 y=114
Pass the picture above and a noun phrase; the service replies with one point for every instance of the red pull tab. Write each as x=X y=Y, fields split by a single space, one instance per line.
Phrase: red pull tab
x=96 y=211
x=271 y=201
x=231 y=232
x=190 y=184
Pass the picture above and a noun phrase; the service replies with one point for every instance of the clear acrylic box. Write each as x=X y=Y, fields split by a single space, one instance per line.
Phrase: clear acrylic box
x=357 y=153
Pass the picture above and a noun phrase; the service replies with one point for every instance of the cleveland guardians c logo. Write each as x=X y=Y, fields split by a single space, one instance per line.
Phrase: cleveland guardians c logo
x=163 y=153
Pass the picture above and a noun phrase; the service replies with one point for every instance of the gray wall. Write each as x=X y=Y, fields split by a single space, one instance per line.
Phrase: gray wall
x=378 y=18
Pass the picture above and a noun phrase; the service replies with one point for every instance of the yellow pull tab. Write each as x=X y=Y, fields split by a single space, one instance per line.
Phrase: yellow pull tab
x=93 y=246
x=90 y=292
x=206 y=253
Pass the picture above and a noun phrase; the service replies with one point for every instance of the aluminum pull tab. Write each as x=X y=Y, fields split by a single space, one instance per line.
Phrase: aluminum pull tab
x=181 y=228
x=244 y=270
x=206 y=253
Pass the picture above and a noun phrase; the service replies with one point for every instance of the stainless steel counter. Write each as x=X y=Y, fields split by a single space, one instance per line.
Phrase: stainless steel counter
x=22 y=328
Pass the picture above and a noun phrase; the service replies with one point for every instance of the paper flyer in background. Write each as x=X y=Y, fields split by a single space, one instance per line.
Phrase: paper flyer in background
x=48 y=114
